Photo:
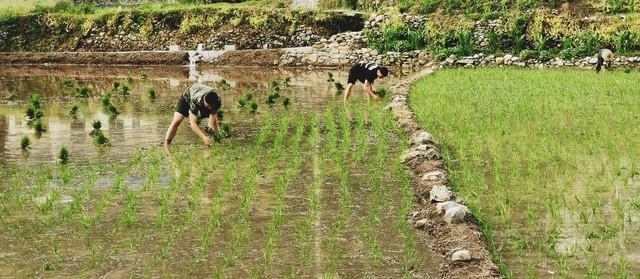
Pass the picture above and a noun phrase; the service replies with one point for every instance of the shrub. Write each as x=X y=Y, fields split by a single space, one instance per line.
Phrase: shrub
x=624 y=41
x=528 y=54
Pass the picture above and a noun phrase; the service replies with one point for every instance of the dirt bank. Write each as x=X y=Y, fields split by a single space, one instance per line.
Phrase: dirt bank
x=428 y=170
x=97 y=58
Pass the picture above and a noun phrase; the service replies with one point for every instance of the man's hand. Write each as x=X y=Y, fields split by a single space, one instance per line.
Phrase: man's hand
x=207 y=141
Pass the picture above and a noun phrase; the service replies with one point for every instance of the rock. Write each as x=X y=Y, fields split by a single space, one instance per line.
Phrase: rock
x=444 y=206
x=499 y=60
x=422 y=137
x=440 y=193
x=455 y=214
x=467 y=61
x=520 y=64
x=433 y=175
x=593 y=60
x=410 y=155
x=461 y=255
x=515 y=59
x=422 y=223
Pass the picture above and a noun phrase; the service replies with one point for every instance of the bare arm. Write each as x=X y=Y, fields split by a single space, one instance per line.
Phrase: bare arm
x=371 y=91
x=193 y=123
x=213 y=121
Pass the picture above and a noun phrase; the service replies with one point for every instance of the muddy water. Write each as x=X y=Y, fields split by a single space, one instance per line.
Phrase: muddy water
x=52 y=245
x=142 y=122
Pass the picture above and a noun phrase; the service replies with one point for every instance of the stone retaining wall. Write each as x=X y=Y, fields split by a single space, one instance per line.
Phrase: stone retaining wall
x=457 y=234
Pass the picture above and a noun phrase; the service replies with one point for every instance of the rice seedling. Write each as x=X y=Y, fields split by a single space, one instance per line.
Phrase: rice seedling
x=226 y=128
x=97 y=125
x=125 y=88
x=25 y=142
x=100 y=139
x=339 y=87
x=533 y=188
x=12 y=95
x=67 y=82
x=116 y=84
x=151 y=92
x=254 y=107
x=73 y=112
x=82 y=91
x=275 y=86
x=272 y=97
x=105 y=99
x=220 y=114
x=330 y=77
x=38 y=126
x=287 y=81
x=112 y=110
x=382 y=92
x=223 y=84
x=144 y=76
x=63 y=155
x=129 y=79
x=285 y=102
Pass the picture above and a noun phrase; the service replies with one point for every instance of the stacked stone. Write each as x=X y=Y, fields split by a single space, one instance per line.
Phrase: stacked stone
x=481 y=60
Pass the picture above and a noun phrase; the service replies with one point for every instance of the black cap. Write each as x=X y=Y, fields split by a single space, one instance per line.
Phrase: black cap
x=213 y=99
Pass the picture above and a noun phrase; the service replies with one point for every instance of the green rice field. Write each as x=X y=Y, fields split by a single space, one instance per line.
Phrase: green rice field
x=549 y=160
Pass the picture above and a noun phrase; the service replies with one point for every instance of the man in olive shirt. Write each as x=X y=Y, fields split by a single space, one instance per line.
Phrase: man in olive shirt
x=197 y=102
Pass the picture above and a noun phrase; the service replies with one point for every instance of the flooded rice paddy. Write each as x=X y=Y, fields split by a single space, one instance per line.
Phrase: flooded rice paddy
x=311 y=191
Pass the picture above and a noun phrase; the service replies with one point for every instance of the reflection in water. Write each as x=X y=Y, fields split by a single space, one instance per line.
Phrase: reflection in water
x=142 y=122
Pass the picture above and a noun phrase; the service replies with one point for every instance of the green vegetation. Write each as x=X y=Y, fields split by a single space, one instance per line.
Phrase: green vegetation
x=547 y=159
x=537 y=34
x=25 y=142
x=82 y=91
x=63 y=155
x=275 y=201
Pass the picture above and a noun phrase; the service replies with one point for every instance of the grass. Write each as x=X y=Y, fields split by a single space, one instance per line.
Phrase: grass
x=546 y=158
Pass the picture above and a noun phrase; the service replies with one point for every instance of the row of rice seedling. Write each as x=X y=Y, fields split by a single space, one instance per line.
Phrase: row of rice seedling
x=548 y=159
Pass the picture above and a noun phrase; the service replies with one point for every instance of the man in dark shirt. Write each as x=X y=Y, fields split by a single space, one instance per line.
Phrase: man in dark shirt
x=366 y=73
x=197 y=102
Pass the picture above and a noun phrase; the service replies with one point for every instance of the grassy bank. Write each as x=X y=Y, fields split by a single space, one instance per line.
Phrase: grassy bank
x=550 y=158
